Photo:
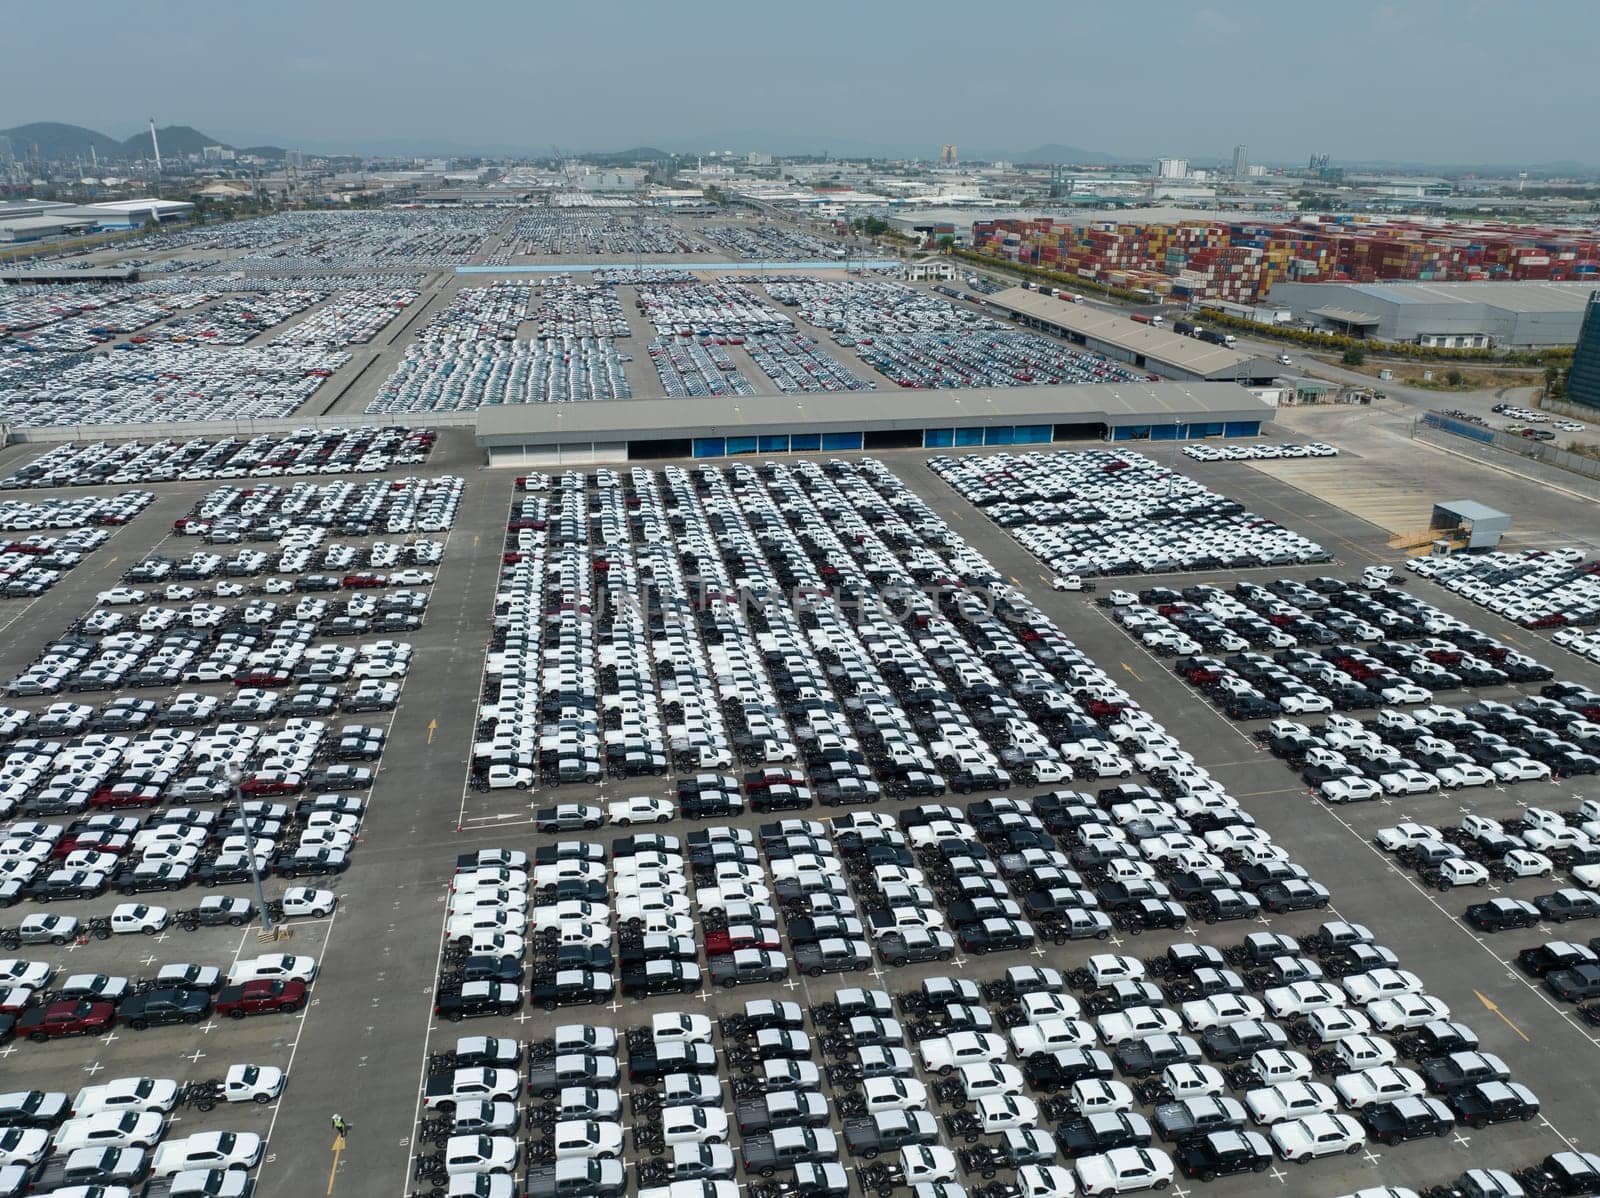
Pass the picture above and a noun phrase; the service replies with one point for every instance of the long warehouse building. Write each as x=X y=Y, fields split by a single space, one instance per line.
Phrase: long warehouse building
x=545 y=435
x=1145 y=347
x=1445 y=315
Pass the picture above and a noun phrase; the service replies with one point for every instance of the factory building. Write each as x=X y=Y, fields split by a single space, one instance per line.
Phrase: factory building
x=630 y=430
x=132 y=214
x=1447 y=315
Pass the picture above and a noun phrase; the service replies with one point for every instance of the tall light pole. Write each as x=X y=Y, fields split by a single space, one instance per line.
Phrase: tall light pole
x=235 y=776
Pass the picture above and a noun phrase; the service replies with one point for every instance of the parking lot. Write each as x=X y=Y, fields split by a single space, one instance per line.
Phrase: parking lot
x=396 y=886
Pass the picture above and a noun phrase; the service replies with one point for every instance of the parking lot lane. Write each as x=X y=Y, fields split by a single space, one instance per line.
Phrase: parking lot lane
x=372 y=1007
x=26 y=625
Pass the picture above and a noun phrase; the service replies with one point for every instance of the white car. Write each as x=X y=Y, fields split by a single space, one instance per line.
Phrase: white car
x=943 y=1054
x=1408 y=782
x=111 y=1129
x=1350 y=790
x=1458 y=777
x=1124 y=1171
x=1403 y=835
x=1521 y=769
x=308 y=901
x=1318 y=1135
x=1300 y=998
x=693 y=1125
x=252 y=1083
x=1219 y=1010
x=1381 y=983
x=640 y=810
x=1384 y=1083
x=207 y=1150
x=590 y=1138
x=127 y=1094
x=1407 y=1011
x=23 y=1146
x=273 y=966
x=31 y=974
x=1289 y=1100
x=120 y=597
x=480 y=1154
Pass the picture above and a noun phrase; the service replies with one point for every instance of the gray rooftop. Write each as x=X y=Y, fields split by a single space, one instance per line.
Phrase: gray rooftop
x=1471 y=509
x=1109 y=403
x=1518 y=296
x=1157 y=345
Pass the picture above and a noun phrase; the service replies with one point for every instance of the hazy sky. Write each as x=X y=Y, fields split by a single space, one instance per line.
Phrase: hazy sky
x=1419 y=80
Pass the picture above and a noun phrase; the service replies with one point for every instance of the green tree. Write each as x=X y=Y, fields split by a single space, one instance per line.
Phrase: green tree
x=1354 y=356
x=1453 y=377
x=1552 y=374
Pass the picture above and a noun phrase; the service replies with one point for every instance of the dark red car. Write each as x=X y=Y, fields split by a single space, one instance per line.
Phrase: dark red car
x=78 y=1017
x=263 y=996
x=360 y=581
x=740 y=936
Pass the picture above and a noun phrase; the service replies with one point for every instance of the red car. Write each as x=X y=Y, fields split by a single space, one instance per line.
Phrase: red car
x=260 y=678
x=359 y=581
x=73 y=1017
x=741 y=936
x=124 y=796
x=273 y=782
x=264 y=996
x=99 y=842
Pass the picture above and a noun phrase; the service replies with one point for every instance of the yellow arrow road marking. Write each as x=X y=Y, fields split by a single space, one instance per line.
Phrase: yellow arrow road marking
x=433 y=726
x=1494 y=1009
x=338 y=1147
x=1130 y=670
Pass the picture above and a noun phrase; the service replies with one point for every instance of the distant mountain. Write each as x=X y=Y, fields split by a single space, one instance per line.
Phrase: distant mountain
x=177 y=141
x=629 y=157
x=1054 y=152
x=52 y=140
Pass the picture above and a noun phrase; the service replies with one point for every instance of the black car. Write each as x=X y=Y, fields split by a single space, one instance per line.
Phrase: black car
x=1102 y=1132
x=1407 y=1119
x=1543 y=959
x=484 y=968
x=569 y=988
x=1051 y=1071
x=1224 y=1153
x=1498 y=914
x=1484 y=1103
x=1293 y=895
x=1578 y=984
x=478 y=997
x=1237 y=1041
x=1141 y=1058
x=1565 y=905
x=157 y=1007
x=709 y=805
x=660 y=977
x=1443 y=1074
x=1251 y=707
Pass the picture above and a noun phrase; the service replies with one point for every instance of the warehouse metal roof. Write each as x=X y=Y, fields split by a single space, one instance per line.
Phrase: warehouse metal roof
x=1346 y=316
x=1156 y=345
x=1095 y=403
x=1514 y=295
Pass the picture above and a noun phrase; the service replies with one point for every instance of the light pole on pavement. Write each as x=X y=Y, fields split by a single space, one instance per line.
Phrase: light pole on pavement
x=235 y=776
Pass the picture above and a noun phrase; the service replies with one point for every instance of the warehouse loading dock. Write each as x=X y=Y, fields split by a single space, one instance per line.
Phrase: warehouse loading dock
x=1171 y=355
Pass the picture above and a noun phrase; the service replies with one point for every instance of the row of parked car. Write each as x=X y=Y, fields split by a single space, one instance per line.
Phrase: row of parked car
x=1435 y=748
x=304 y=451
x=113 y=1139
x=1537 y=588
x=463 y=374
x=1118 y=512
x=1265 y=451
x=308 y=511
x=163 y=383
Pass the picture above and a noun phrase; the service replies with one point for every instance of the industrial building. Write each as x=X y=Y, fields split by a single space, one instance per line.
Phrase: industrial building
x=1583 y=381
x=1449 y=315
x=131 y=214
x=1142 y=346
x=546 y=435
